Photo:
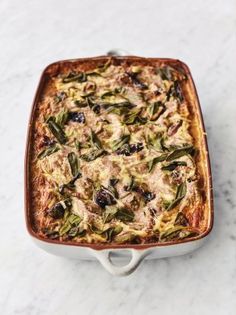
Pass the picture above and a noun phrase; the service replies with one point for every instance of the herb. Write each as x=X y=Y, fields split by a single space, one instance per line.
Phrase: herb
x=97 y=151
x=107 y=94
x=92 y=155
x=56 y=130
x=152 y=109
x=155 y=110
x=48 y=151
x=181 y=72
x=95 y=140
x=70 y=225
x=171 y=233
x=74 y=219
x=76 y=231
x=136 y=81
x=96 y=230
x=108 y=233
x=70 y=185
x=94 y=73
x=113 y=181
x=180 y=194
x=93 y=105
x=162 y=144
x=181 y=190
x=120 y=142
x=189 y=149
x=109 y=213
x=105 y=66
x=153 y=162
x=177 y=232
x=177 y=153
x=77 y=144
x=131 y=117
x=134 y=117
x=118 y=108
x=170 y=167
x=61 y=118
x=112 y=232
x=74 y=164
x=154 y=141
x=124 y=215
x=60 y=96
x=165 y=73
x=90 y=102
x=181 y=219
x=175 y=92
x=112 y=188
x=80 y=103
x=130 y=237
x=72 y=182
x=111 y=92
x=125 y=104
x=73 y=76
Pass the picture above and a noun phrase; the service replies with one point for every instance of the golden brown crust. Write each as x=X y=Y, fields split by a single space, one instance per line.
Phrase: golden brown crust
x=152 y=222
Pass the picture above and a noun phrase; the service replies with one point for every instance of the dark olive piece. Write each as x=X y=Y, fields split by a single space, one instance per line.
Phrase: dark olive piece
x=77 y=117
x=57 y=211
x=103 y=198
x=147 y=195
x=47 y=141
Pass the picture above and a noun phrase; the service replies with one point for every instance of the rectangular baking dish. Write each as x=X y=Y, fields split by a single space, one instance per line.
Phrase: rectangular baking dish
x=135 y=251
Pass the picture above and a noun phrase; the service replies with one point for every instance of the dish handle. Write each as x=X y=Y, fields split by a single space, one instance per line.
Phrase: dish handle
x=117 y=52
x=137 y=256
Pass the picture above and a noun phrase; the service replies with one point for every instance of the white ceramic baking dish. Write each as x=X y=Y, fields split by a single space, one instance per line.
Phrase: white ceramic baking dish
x=135 y=255
x=134 y=252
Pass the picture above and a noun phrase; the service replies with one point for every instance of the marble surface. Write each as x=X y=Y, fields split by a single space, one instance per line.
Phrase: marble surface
x=35 y=33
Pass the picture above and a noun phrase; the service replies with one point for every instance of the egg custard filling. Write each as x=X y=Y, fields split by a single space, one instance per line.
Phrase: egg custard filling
x=116 y=156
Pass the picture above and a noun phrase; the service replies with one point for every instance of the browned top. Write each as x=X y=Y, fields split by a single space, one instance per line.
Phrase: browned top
x=118 y=153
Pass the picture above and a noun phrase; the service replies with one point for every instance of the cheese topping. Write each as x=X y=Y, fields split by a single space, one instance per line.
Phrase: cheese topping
x=114 y=160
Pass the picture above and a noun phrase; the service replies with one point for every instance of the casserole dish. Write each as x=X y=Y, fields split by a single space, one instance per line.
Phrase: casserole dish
x=174 y=217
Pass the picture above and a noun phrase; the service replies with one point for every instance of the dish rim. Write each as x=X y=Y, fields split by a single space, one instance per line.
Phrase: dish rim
x=97 y=246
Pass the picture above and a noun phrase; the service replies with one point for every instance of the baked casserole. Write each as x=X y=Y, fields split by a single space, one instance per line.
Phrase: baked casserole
x=117 y=154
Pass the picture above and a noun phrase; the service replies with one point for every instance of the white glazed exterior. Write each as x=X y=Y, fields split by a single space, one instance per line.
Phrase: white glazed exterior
x=103 y=255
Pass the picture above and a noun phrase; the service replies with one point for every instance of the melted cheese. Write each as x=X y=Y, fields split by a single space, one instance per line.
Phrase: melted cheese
x=151 y=217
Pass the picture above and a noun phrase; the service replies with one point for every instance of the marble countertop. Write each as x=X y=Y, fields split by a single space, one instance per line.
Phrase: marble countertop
x=36 y=33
